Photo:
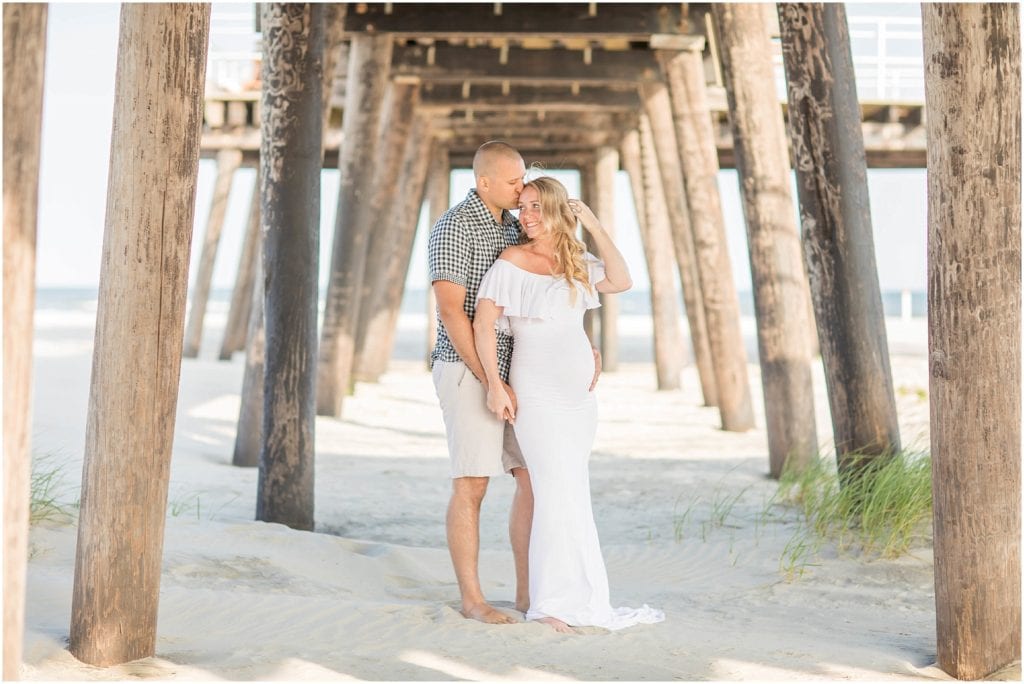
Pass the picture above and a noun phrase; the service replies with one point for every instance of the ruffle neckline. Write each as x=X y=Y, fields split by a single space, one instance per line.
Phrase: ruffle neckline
x=526 y=294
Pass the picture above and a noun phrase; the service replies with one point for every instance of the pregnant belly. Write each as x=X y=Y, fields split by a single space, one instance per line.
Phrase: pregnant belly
x=554 y=365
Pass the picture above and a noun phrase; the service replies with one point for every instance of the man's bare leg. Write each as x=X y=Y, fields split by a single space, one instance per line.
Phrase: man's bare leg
x=463 y=526
x=520 y=521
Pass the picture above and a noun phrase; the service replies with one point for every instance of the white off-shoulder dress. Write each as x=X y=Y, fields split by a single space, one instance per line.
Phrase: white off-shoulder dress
x=556 y=420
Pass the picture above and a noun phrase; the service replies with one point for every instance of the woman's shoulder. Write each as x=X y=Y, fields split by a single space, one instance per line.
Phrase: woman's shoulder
x=515 y=255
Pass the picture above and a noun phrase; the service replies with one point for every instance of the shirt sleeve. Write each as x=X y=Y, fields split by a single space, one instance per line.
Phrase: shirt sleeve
x=595 y=268
x=448 y=251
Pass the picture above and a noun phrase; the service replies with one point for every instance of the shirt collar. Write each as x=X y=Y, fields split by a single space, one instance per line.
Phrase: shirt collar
x=507 y=218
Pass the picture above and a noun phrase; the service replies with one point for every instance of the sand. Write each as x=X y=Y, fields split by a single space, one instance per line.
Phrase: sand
x=371 y=595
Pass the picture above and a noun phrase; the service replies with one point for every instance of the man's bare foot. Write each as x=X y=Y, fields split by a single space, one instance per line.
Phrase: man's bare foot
x=557 y=625
x=485 y=613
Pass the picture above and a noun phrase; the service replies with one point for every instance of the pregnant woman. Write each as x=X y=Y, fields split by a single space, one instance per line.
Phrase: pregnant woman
x=539 y=291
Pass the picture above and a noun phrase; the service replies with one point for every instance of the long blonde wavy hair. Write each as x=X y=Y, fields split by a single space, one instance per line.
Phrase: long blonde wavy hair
x=559 y=219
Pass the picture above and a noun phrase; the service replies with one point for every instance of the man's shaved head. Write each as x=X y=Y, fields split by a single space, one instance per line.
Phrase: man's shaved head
x=488 y=154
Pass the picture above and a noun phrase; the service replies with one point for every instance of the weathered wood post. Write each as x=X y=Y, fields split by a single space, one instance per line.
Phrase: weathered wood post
x=248 y=436
x=588 y=189
x=776 y=267
x=606 y=164
x=839 y=252
x=659 y=117
x=695 y=138
x=24 y=58
x=640 y=160
x=439 y=182
x=368 y=68
x=241 y=296
x=290 y=165
x=404 y=218
x=228 y=161
x=383 y=196
x=972 y=94
x=137 y=357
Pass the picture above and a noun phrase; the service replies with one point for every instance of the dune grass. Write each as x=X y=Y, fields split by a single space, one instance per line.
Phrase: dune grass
x=882 y=512
x=47 y=502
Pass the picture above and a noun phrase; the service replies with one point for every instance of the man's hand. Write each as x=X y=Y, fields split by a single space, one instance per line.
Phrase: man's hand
x=597 y=368
x=512 y=397
x=500 y=403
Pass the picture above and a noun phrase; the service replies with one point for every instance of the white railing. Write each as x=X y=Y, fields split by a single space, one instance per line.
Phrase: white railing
x=234 y=48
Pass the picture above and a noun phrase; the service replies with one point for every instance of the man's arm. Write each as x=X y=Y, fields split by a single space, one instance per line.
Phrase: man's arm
x=450 y=300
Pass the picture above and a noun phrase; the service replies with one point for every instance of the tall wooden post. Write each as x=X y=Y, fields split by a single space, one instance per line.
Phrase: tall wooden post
x=640 y=160
x=696 y=149
x=137 y=357
x=404 y=217
x=839 y=252
x=659 y=115
x=24 y=58
x=368 y=67
x=439 y=181
x=588 y=188
x=335 y=52
x=777 y=271
x=241 y=296
x=388 y=185
x=606 y=164
x=228 y=162
x=290 y=159
x=972 y=94
x=248 y=436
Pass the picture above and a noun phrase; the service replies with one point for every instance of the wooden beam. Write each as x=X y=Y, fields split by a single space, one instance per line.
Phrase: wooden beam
x=24 y=35
x=293 y=45
x=458 y=64
x=141 y=308
x=839 y=251
x=492 y=96
x=241 y=296
x=974 y=324
x=555 y=21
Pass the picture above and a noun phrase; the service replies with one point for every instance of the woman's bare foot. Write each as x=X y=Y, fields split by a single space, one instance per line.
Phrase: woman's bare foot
x=557 y=625
x=485 y=613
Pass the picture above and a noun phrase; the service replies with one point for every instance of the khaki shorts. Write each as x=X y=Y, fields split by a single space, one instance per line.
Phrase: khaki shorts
x=479 y=444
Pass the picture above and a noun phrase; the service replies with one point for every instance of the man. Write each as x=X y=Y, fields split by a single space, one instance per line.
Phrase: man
x=463 y=244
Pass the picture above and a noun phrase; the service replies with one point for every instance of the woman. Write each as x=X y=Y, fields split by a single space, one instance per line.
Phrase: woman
x=539 y=292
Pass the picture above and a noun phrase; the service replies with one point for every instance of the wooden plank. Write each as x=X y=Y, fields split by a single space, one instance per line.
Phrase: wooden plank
x=24 y=35
x=457 y=63
x=592 y=21
x=781 y=294
x=492 y=96
x=137 y=355
x=974 y=325
x=293 y=44
x=838 y=246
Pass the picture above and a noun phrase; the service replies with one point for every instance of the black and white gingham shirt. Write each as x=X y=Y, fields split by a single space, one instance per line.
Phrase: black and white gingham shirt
x=463 y=245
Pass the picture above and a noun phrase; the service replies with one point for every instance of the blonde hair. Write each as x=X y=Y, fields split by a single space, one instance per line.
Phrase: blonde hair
x=559 y=219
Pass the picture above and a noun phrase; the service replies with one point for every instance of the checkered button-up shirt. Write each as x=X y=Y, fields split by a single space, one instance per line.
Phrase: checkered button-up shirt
x=463 y=245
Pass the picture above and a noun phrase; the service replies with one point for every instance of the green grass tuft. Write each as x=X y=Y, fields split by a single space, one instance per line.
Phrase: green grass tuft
x=47 y=491
x=883 y=511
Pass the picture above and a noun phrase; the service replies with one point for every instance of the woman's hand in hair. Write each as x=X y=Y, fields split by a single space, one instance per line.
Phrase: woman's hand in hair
x=586 y=217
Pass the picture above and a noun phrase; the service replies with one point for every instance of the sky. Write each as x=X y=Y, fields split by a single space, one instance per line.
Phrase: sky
x=77 y=110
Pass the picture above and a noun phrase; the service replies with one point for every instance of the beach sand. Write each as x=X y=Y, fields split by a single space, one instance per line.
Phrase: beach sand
x=680 y=507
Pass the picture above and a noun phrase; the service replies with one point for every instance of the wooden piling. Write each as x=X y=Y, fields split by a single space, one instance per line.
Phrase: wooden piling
x=369 y=65
x=606 y=165
x=137 y=352
x=248 y=435
x=24 y=60
x=659 y=114
x=290 y=160
x=404 y=217
x=781 y=299
x=973 y=99
x=640 y=160
x=839 y=251
x=241 y=296
x=439 y=180
x=695 y=138
x=588 y=190
x=228 y=161
x=388 y=184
